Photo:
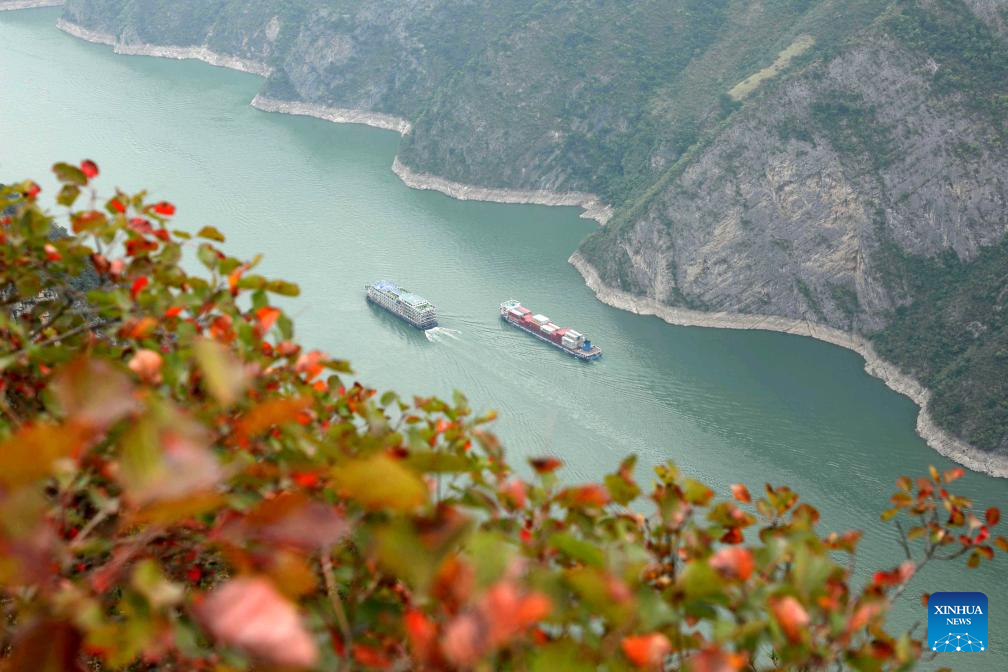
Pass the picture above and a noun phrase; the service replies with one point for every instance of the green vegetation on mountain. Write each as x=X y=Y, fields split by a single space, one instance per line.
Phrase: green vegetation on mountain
x=767 y=157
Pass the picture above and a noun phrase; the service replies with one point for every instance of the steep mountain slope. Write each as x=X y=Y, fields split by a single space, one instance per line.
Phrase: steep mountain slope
x=837 y=162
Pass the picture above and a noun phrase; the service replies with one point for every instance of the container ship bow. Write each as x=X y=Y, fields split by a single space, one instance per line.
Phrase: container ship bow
x=568 y=340
x=402 y=303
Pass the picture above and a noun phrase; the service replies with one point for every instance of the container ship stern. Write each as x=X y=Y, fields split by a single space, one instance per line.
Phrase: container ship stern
x=568 y=340
x=407 y=306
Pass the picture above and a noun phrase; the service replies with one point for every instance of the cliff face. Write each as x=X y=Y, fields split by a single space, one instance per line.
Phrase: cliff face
x=837 y=162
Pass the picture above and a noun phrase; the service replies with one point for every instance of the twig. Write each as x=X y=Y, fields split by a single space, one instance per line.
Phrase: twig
x=96 y=520
x=334 y=599
x=904 y=542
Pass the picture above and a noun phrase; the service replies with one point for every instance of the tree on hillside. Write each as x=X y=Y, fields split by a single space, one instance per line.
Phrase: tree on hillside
x=185 y=487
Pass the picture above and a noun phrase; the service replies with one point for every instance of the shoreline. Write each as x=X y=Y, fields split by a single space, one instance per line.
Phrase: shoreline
x=164 y=51
x=11 y=5
x=336 y=115
x=592 y=206
x=590 y=203
x=938 y=439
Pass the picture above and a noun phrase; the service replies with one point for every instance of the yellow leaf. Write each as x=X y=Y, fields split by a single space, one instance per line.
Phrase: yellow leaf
x=31 y=453
x=380 y=483
x=224 y=375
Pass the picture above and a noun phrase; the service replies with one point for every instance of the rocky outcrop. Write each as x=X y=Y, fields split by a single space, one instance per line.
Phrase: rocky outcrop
x=334 y=114
x=593 y=207
x=951 y=447
x=164 y=51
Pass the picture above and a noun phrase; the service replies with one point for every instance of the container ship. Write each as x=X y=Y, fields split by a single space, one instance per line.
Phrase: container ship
x=402 y=303
x=568 y=340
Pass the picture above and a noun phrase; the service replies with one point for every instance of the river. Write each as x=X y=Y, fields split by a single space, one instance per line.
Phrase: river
x=320 y=201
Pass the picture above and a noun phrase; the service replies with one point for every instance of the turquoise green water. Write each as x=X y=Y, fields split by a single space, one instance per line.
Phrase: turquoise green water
x=320 y=201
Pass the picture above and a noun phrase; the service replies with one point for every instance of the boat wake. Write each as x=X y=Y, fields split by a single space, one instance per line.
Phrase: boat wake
x=440 y=334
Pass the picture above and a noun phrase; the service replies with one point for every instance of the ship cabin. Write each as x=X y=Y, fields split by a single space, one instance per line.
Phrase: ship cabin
x=413 y=308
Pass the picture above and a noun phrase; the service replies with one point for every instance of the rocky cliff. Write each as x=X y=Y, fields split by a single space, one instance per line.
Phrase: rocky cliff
x=840 y=164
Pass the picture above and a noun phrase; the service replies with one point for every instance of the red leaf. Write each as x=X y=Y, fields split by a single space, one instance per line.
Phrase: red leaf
x=174 y=311
x=741 y=493
x=993 y=516
x=545 y=465
x=732 y=536
x=116 y=204
x=512 y=494
x=234 y=277
x=89 y=168
x=422 y=633
x=370 y=656
x=33 y=191
x=93 y=392
x=592 y=494
x=734 y=562
x=716 y=660
x=249 y=613
x=647 y=651
x=138 y=245
x=138 y=285
x=294 y=520
x=100 y=263
x=164 y=208
x=140 y=225
x=305 y=479
x=52 y=254
x=791 y=616
x=267 y=317
x=147 y=365
x=953 y=474
x=894 y=577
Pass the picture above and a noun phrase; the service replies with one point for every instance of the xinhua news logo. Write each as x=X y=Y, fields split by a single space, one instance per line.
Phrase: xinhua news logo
x=957 y=622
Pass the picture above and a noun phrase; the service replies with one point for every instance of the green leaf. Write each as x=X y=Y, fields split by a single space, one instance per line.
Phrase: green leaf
x=438 y=463
x=562 y=655
x=68 y=194
x=283 y=288
x=150 y=582
x=699 y=580
x=70 y=174
x=696 y=492
x=210 y=233
x=578 y=549
x=207 y=256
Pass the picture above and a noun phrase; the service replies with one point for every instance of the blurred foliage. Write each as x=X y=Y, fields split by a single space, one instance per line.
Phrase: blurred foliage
x=185 y=487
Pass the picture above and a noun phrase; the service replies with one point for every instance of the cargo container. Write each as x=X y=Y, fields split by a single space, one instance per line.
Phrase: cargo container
x=570 y=341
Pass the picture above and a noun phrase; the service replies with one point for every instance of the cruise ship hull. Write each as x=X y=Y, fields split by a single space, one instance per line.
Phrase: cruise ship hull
x=409 y=308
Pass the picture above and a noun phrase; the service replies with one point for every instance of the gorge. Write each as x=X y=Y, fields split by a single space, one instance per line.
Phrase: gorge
x=320 y=201
x=829 y=165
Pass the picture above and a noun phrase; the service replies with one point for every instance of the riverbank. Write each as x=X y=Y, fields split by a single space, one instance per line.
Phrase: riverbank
x=592 y=206
x=337 y=115
x=164 y=51
x=941 y=441
x=11 y=5
x=590 y=203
